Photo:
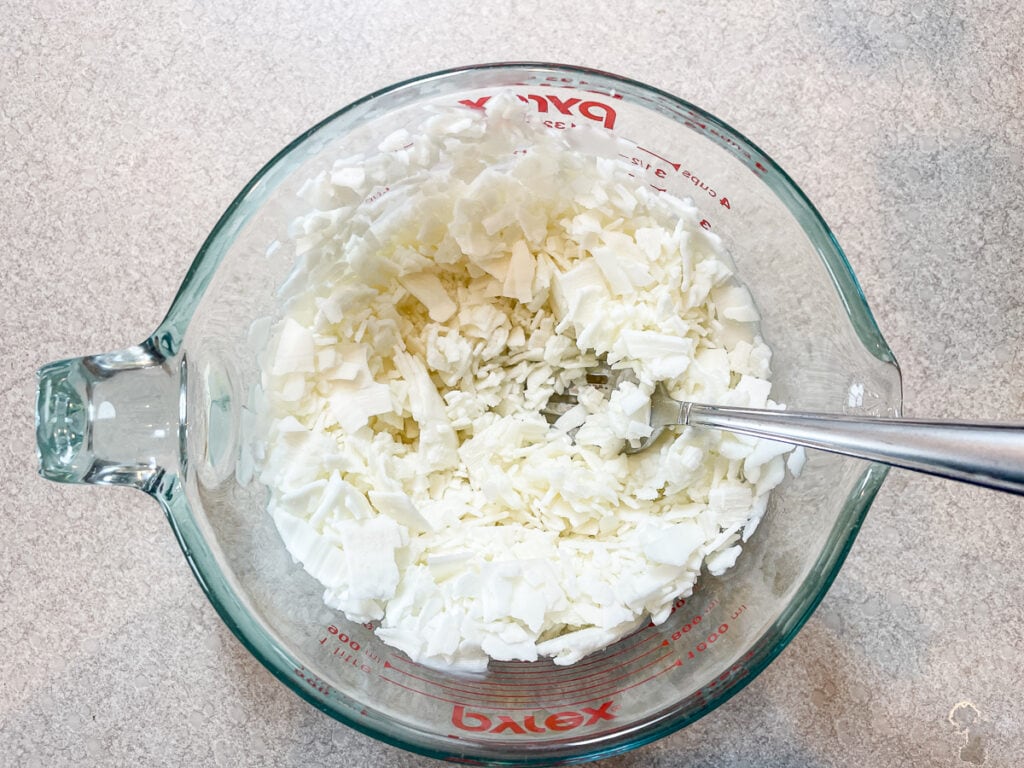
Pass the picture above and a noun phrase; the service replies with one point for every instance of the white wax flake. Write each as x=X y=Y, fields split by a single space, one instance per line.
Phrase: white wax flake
x=666 y=356
x=400 y=508
x=752 y=392
x=395 y=141
x=428 y=289
x=351 y=177
x=369 y=547
x=352 y=405
x=580 y=292
x=571 y=419
x=320 y=558
x=730 y=502
x=673 y=544
x=615 y=275
x=444 y=289
x=733 y=302
x=720 y=562
x=295 y=349
x=795 y=462
x=856 y=396
x=519 y=277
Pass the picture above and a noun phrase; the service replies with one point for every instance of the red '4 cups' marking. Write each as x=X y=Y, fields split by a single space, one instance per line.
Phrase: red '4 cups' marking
x=597 y=111
x=468 y=720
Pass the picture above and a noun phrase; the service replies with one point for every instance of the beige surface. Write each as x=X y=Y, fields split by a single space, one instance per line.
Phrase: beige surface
x=125 y=130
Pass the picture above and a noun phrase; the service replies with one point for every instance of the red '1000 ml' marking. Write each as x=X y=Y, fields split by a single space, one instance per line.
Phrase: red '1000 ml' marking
x=709 y=640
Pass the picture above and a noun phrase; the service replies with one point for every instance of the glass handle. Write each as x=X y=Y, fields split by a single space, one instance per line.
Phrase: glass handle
x=112 y=419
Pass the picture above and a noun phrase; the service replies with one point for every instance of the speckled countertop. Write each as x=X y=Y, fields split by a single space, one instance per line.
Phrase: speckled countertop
x=125 y=130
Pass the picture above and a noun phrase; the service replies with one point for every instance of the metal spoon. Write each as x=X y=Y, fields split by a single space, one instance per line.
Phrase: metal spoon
x=989 y=454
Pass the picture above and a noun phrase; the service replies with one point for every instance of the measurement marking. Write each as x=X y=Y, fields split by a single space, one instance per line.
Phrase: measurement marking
x=541 y=706
x=591 y=662
x=620 y=665
x=414 y=690
x=673 y=665
x=481 y=693
x=507 y=696
x=677 y=166
x=486 y=685
x=560 y=673
x=660 y=189
x=557 y=674
x=614 y=679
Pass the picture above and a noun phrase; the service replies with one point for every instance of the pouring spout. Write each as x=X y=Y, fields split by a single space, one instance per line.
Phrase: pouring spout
x=111 y=419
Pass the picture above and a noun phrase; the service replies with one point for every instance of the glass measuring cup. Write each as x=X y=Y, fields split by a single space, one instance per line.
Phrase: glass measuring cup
x=168 y=417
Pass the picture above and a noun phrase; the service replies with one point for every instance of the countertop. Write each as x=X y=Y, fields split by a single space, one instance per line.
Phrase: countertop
x=126 y=128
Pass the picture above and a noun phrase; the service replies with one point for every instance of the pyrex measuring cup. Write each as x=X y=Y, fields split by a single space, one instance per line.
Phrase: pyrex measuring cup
x=168 y=417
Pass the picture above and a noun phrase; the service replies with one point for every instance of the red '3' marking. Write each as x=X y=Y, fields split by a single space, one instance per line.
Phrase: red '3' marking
x=677 y=166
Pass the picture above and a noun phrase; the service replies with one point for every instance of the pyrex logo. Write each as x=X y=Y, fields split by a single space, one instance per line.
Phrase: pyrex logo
x=592 y=110
x=468 y=720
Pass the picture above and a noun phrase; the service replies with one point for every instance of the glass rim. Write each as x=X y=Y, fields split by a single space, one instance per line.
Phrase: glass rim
x=278 y=660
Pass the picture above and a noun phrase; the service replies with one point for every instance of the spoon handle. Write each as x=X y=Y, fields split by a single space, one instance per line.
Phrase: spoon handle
x=989 y=454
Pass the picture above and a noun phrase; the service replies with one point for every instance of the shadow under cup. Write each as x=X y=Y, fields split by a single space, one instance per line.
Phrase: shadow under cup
x=828 y=355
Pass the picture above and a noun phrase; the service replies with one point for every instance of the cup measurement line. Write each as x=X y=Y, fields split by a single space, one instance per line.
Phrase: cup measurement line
x=507 y=696
x=642 y=633
x=677 y=166
x=542 y=706
x=491 y=684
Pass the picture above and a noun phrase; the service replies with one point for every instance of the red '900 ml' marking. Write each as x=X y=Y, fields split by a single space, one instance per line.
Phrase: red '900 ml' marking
x=342 y=638
x=348 y=650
